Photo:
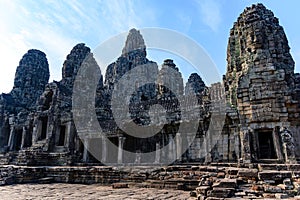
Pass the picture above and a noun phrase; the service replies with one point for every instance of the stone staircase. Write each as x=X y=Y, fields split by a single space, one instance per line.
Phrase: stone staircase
x=38 y=158
x=271 y=181
x=52 y=159
x=215 y=182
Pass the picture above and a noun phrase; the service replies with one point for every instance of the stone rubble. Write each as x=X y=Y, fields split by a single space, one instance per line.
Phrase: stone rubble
x=203 y=182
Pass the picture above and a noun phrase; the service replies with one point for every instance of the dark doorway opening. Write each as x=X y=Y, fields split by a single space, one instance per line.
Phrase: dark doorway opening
x=266 y=145
x=18 y=139
x=44 y=127
x=62 y=135
x=4 y=137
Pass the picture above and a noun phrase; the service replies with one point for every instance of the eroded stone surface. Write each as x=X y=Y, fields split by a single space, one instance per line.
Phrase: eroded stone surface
x=77 y=191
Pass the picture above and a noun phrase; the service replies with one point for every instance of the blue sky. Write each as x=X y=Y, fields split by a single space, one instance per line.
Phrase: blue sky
x=56 y=26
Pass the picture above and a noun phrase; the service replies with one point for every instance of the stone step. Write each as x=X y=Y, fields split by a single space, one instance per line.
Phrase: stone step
x=279 y=167
x=45 y=180
x=221 y=192
x=271 y=175
x=226 y=183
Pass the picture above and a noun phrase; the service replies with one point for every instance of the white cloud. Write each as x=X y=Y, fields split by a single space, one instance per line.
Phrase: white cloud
x=12 y=46
x=25 y=31
x=185 y=21
x=120 y=14
x=54 y=27
x=211 y=14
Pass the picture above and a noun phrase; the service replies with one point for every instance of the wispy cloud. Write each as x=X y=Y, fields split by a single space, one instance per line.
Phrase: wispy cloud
x=56 y=26
x=121 y=14
x=210 y=12
x=185 y=21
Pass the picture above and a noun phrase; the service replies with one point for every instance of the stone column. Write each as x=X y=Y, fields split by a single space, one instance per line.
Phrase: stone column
x=288 y=145
x=179 y=146
x=237 y=144
x=172 y=152
x=104 y=150
x=11 y=138
x=34 y=135
x=120 y=149
x=138 y=157
x=189 y=140
x=85 y=156
x=24 y=132
x=208 y=148
x=157 y=153
x=163 y=151
x=68 y=134
x=245 y=146
x=277 y=143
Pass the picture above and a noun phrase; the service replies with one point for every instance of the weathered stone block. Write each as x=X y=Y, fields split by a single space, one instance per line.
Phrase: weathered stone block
x=274 y=175
x=272 y=189
x=226 y=183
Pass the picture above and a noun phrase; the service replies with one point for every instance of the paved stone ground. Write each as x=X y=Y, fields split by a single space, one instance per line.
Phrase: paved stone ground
x=84 y=192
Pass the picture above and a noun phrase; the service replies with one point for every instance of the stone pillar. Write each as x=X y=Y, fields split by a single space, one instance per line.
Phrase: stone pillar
x=157 y=153
x=34 y=135
x=174 y=148
x=225 y=150
x=68 y=134
x=24 y=132
x=104 y=150
x=288 y=145
x=85 y=156
x=163 y=152
x=11 y=138
x=190 y=138
x=208 y=147
x=237 y=144
x=178 y=146
x=245 y=146
x=138 y=157
x=277 y=144
x=120 y=149
x=172 y=152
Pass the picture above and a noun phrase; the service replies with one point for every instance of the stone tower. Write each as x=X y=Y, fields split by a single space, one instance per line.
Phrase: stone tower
x=133 y=55
x=73 y=62
x=194 y=84
x=259 y=83
x=169 y=75
x=31 y=77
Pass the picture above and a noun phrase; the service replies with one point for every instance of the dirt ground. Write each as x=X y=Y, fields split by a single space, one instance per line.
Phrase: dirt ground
x=84 y=192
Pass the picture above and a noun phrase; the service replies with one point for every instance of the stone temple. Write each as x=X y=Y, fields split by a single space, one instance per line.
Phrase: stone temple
x=260 y=88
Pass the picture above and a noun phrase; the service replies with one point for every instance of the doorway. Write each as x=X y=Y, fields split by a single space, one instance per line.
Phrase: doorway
x=266 y=145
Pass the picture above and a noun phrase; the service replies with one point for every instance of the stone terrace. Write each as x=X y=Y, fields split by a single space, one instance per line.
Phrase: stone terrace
x=218 y=181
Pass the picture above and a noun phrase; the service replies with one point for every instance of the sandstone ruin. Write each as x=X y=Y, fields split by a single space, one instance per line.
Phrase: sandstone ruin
x=262 y=125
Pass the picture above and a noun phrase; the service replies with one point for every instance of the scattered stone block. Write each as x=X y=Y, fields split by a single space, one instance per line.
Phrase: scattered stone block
x=119 y=185
x=226 y=183
x=272 y=189
x=281 y=196
x=202 y=190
